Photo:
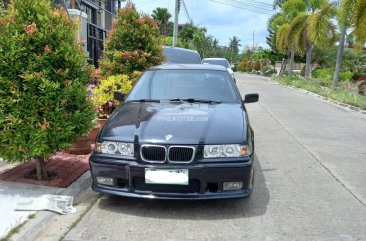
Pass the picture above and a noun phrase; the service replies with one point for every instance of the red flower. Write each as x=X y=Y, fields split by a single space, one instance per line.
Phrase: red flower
x=30 y=29
x=47 y=48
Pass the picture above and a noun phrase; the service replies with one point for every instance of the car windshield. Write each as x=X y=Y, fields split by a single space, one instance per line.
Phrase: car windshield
x=208 y=85
x=222 y=62
x=181 y=56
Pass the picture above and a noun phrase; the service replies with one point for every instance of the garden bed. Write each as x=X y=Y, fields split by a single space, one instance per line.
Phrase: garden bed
x=64 y=169
x=345 y=92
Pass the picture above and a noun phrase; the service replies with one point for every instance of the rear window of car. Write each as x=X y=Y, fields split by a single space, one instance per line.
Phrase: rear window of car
x=181 y=56
x=222 y=62
x=185 y=84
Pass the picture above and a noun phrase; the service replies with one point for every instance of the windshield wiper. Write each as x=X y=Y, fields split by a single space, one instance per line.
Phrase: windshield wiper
x=144 y=100
x=193 y=100
x=178 y=99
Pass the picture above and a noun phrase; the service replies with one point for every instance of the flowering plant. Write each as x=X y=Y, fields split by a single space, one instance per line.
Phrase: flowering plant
x=103 y=93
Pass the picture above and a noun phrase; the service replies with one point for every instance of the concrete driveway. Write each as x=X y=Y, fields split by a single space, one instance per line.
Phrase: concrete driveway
x=310 y=182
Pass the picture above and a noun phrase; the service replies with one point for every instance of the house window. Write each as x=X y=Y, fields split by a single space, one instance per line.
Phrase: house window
x=90 y=12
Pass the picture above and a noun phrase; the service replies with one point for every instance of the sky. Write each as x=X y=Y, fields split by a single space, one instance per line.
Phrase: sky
x=222 y=21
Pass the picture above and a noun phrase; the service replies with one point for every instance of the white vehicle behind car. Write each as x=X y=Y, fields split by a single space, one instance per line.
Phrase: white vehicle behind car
x=220 y=61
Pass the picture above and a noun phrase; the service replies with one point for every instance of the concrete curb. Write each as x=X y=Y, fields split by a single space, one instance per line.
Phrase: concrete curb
x=341 y=105
x=78 y=188
x=34 y=228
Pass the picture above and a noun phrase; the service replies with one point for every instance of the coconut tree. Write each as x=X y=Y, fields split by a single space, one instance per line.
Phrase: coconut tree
x=310 y=23
x=215 y=45
x=234 y=45
x=162 y=16
x=352 y=14
x=281 y=25
x=295 y=33
x=358 y=20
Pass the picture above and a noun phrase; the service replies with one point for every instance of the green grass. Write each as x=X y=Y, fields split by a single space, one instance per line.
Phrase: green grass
x=12 y=232
x=17 y=228
x=323 y=88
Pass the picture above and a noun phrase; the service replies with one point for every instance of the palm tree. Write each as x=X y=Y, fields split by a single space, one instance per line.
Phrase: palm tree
x=308 y=23
x=161 y=16
x=358 y=19
x=274 y=22
x=351 y=15
x=234 y=46
x=285 y=42
x=296 y=23
x=215 y=45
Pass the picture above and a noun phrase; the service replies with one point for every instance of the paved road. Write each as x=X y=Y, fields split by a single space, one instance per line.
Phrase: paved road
x=310 y=182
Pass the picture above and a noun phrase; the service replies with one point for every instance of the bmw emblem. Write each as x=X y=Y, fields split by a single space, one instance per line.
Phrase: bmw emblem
x=168 y=137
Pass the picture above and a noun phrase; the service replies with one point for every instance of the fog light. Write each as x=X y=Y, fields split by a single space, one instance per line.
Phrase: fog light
x=229 y=186
x=105 y=181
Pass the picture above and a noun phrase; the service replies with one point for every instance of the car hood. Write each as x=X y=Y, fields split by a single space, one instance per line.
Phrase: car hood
x=176 y=123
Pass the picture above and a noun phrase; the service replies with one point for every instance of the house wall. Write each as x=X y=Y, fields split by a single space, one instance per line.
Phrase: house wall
x=100 y=15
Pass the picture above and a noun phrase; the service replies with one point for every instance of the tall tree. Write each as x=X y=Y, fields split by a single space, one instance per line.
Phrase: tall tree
x=358 y=19
x=307 y=23
x=234 y=44
x=290 y=10
x=280 y=27
x=162 y=16
x=320 y=27
x=351 y=15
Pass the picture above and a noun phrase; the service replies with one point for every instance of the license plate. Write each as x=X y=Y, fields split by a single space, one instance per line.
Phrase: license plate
x=166 y=176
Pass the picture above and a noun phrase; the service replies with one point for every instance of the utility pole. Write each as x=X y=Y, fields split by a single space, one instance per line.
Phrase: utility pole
x=253 y=39
x=231 y=54
x=175 y=32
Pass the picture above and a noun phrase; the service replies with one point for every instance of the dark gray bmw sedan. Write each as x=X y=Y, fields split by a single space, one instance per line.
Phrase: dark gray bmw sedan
x=182 y=133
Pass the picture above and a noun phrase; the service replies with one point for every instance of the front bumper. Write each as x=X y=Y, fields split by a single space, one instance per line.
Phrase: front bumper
x=205 y=179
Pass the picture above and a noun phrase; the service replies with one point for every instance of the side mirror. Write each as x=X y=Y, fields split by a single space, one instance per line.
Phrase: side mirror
x=119 y=96
x=232 y=66
x=251 y=98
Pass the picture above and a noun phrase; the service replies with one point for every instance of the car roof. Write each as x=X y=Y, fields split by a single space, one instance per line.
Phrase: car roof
x=181 y=55
x=190 y=67
x=180 y=49
x=214 y=59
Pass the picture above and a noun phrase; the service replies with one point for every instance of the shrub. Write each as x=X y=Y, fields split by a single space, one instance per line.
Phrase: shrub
x=268 y=70
x=168 y=41
x=345 y=76
x=257 y=65
x=44 y=103
x=323 y=74
x=133 y=44
x=327 y=74
x=245 y=66
x=103 y=93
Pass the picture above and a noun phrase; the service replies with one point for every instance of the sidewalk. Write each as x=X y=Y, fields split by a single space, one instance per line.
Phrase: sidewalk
x=10 y=194
x=15 y=188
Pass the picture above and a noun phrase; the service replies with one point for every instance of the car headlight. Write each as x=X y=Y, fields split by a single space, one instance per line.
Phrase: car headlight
x=117 y=148
x=235 y=150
